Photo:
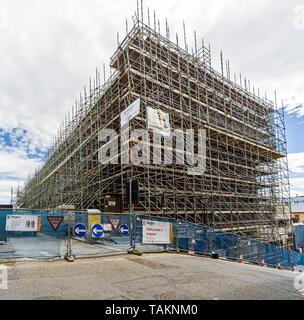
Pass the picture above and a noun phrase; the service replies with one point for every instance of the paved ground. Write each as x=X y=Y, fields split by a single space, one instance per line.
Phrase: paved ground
x=149 y=277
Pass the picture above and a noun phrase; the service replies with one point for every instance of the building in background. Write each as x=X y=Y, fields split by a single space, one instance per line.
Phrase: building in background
x=297 y=209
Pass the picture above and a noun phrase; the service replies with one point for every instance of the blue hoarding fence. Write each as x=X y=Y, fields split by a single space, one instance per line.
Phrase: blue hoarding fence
x=45 y=243
x=122 y=232
x=200 y=239
x=299 y=237
x=138 y=241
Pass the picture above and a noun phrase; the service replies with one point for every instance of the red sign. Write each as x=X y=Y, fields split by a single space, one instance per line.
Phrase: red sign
x=55 y=221
x=114 y=222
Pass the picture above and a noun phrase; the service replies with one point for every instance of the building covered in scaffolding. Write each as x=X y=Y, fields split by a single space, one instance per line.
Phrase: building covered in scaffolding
x=245 y=185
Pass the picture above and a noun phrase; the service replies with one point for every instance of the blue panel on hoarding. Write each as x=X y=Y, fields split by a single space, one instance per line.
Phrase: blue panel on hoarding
x=3 y=214
x=299 y=237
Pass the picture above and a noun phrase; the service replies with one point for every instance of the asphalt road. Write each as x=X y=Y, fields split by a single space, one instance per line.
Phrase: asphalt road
x=148 y=277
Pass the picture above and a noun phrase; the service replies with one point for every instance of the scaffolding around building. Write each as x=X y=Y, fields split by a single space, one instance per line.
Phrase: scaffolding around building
x=245 y=187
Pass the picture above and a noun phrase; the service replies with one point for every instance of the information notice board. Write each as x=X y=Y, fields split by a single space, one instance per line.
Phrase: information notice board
x=157 y=232
x=24 y=223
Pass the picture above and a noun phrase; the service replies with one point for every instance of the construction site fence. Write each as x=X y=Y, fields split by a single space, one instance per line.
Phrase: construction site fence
x=193 y=238
x=299 y=236
x=46 y=243
x=181 y=236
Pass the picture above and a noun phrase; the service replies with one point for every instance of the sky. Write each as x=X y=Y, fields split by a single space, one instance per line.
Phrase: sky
x=50 y=48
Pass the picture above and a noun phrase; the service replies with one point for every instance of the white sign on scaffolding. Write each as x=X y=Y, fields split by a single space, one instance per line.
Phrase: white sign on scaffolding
x=158 y=121
x=128 y=114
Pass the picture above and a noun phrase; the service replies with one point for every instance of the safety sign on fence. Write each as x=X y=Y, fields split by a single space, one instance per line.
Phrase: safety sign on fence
x=124 y=230
x=114 y=222
x=93 y=219
x=97 y=231
x=55 y=221
x=80 y=230
x=107 y=227
x=23 y=223
x=157 y=232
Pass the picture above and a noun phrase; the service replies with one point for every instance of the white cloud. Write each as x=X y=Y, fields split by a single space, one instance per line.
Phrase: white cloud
x=294 y=105
x=5 y=190
x=3 y=19
x=296 y=162
x=296 y=167
x=15 y=166
x=297 y=187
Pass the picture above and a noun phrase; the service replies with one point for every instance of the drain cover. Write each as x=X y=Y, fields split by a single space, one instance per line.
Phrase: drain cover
x=170 y=296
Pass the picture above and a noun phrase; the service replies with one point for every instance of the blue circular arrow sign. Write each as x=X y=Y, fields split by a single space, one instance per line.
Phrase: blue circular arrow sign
x=80 y=230
x=124 y=230
x=97 y=231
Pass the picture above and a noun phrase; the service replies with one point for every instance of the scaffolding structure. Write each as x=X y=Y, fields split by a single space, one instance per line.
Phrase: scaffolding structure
x=245 y=187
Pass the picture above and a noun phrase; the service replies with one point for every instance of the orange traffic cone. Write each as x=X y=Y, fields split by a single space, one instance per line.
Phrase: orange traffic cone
x=262 y=263
x=279 y=266
x=293 y=268
x=241 y=258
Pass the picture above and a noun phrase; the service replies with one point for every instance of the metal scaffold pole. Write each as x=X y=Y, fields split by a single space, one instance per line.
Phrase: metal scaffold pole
x=69 y=257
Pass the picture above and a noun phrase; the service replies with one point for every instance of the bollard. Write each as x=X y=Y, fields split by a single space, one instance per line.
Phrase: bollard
x=214 y=255
x=136 y=252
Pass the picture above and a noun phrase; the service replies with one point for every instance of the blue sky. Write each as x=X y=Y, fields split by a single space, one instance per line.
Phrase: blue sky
x=294 y=133
x=294 y=121
x=43 y=69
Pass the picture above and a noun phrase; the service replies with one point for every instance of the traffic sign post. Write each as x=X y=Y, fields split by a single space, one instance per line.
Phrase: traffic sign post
x=68 y=255
x=69 y=218
x=97 y=231
x=134 y=230
x=124 y=230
